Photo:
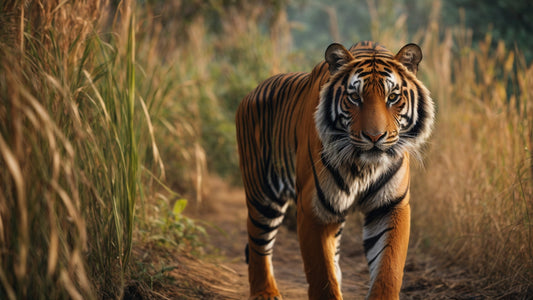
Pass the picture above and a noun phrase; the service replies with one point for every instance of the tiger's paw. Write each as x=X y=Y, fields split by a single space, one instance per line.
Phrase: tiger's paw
x=265 y=296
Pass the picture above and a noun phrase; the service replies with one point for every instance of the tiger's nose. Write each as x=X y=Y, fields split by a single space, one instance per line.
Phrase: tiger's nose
x=374 y=136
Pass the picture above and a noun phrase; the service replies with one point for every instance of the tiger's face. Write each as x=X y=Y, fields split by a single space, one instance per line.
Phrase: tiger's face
x=373 y=108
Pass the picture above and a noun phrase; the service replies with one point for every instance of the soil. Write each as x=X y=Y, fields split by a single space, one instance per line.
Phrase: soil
x=221 y=273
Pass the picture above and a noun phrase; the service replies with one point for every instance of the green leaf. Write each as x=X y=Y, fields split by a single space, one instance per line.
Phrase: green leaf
x=179 y=206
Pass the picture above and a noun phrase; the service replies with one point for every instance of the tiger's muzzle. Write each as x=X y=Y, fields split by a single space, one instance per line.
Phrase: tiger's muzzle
x=375 y=142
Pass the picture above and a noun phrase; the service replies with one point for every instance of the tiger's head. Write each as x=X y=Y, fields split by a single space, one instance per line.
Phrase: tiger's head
x=373 y=108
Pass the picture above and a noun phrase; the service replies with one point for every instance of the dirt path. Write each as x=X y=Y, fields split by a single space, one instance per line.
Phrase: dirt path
x=224 y=208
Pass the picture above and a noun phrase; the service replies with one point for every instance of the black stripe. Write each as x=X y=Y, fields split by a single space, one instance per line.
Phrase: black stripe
x=266 y=228
x=337 y=177
x=372 y=189
x=339 y=232
x=363 y=74
x=379 y=61
x=260 y=241
x=384 y=210
x=364 y=63
x=266 y=210
x=422 y=115
x=345 y=79
x=370 y=242
x=328 y=100
x=320 y=193
x=266 y=253
x=273 y=182
x=355 y=171
x=337 y=99
x=377 y=255
x=411 y=112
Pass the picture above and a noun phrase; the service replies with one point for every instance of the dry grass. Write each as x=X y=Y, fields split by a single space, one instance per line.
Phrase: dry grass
x=70 y=158
x=42 y=231
x=163 y=274
x=472 y=200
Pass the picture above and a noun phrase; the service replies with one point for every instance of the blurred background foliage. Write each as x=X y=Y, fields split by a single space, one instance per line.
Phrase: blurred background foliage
x=321 y=22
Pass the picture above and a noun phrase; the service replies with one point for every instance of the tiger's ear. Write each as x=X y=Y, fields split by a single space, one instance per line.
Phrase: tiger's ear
x=336 y=56
x=410 y=56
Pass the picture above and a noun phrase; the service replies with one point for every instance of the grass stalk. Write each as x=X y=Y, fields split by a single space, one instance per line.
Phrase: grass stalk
x=132 y=149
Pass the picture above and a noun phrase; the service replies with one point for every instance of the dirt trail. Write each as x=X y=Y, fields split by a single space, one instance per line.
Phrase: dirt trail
x=224 y=208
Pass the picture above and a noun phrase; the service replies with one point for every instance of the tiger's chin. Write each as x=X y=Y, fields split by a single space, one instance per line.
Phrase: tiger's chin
x=349 y=155
x=375 y=156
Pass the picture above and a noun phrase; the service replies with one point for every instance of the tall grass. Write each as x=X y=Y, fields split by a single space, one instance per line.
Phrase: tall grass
x=71 y=123
x=473 y=200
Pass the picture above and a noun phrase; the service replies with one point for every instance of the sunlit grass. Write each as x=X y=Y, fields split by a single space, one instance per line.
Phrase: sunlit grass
x=472 y=202
x=71 y=126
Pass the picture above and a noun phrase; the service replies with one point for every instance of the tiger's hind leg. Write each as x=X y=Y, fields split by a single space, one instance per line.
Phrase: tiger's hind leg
x=262 y=224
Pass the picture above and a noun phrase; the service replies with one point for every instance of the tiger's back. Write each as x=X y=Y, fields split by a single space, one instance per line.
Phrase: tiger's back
x=267 y=122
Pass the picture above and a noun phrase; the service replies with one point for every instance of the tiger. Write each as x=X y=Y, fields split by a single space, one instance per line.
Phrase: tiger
x=336 y=140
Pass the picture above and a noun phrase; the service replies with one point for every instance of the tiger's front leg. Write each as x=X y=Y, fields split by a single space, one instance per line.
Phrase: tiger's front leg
x=386 y=238
x=318 y=245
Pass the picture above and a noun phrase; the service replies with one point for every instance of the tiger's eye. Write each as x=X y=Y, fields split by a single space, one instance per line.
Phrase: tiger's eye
x=354 y=98
x=393 y=98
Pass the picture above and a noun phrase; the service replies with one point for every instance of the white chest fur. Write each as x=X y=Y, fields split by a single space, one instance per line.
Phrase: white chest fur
x=366 y=189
